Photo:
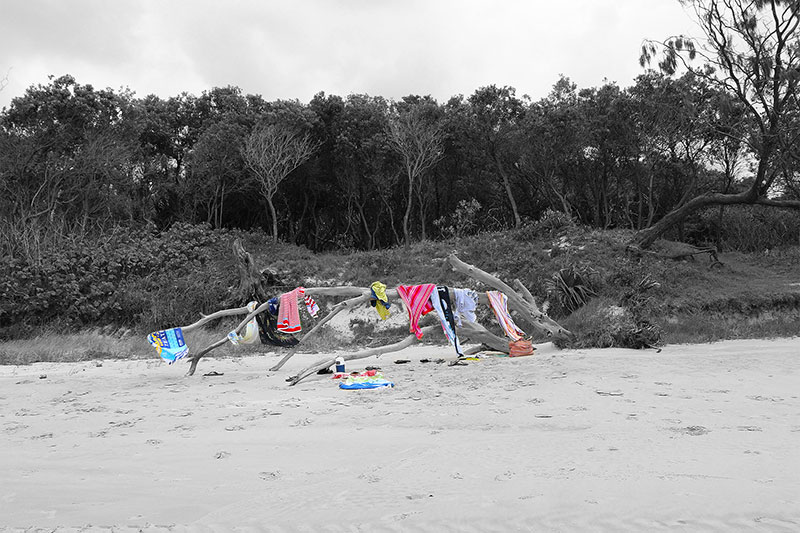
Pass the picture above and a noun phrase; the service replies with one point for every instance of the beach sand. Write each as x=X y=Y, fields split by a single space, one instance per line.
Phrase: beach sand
x=694 y=438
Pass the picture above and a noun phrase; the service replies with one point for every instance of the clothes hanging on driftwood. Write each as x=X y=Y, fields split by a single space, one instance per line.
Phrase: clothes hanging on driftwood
x=418 y=303
x=169 y=344
x=440 y=299
x=465 y=302
x=499 y=304
x=268 y=327
x=379 y=300
x=289 y=313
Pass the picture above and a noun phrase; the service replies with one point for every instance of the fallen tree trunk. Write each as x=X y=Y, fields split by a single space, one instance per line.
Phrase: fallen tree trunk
x=676 y=250
x=524 y=304
x=252 y=283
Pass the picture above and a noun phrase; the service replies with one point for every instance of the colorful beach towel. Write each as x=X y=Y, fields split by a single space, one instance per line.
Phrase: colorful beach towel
x=289 y=313
x=418 y=303
x=375 y=381
x=169 y=344
x=499 y=304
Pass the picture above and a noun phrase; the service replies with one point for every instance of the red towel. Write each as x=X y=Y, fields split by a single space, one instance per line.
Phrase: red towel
x=288 y=313
x=418 y=302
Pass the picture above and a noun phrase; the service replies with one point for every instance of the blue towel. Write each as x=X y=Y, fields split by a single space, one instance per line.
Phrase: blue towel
x=169 y=344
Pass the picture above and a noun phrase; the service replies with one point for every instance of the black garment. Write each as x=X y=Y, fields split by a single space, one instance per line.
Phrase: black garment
x=447 y=308
x=268 y=331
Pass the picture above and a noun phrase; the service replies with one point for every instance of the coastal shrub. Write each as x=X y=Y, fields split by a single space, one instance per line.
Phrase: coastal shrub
x=747 y=228
x=117 y=278
x=604 y=324
x=572 y=287
x=463 y=221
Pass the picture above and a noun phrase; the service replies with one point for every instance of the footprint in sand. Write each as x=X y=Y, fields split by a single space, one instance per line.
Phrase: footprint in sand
x=505 y=476
x=13 y=427
x=369 y=478
x=693 y=430
x=765 y=398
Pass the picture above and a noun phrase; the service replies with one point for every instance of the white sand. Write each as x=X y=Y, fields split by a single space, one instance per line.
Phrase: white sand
x=696 y=438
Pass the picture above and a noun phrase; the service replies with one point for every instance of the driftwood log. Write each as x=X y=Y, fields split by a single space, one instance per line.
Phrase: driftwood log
x=664 y=249
x=329 y=362
x=519 y=300
x=253 y=284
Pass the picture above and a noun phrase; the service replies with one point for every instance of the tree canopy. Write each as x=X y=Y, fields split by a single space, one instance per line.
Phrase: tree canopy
x=717 y=124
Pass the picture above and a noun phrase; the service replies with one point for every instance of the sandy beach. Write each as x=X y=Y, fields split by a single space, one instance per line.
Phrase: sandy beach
x=694 y=438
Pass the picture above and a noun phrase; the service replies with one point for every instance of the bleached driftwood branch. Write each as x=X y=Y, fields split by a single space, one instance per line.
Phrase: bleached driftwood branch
x=337 y=308
x=362 y=295
x=520 y=300
x=524 y=304
x=329 y=362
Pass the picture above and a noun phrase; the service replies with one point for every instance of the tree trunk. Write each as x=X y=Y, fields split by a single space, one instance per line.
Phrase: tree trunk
x=406 y=237
x=507 y=185
x=274 y=216
x=648 y=236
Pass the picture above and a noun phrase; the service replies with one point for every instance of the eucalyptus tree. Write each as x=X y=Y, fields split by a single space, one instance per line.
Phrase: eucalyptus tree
x=552 y=147
x=750 y=52
x=416 y=135
x=272 y=152
x=495 y=113
x=366 y=167
x=217 y=168
x=68 y=155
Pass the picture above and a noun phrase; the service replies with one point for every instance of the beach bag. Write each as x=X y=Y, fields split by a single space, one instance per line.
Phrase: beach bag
x=520 y=348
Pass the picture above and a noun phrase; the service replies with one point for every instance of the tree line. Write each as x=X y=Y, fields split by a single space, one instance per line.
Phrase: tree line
x=367 y=172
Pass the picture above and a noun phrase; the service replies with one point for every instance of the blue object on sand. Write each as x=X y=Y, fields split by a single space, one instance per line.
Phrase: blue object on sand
x=366 y=384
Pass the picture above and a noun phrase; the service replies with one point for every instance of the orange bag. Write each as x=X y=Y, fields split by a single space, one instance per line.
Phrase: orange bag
x=520 y=348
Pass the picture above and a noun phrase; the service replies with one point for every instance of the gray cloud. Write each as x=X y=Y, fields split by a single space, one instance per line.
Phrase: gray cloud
x=295 y=49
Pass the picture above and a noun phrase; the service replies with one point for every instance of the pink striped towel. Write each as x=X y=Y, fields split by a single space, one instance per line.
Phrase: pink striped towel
x=418 y=302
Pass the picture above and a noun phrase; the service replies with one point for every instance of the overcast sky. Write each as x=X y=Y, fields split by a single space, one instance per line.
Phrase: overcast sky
x=295 y=48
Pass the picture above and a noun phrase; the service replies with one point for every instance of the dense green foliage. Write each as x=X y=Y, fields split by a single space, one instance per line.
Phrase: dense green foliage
x=75 y=161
